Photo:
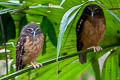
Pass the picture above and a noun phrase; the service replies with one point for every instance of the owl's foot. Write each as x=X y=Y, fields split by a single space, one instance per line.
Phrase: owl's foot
x=36 y=65
x=96 y=48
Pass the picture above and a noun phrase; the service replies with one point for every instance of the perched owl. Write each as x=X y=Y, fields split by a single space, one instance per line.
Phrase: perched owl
x=29 y=46
x=90 y=29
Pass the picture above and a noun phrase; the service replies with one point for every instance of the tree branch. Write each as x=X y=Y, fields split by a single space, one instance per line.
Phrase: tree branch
x=47 y=62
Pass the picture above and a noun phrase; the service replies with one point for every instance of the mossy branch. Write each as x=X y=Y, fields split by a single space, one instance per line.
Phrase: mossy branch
x=46 y=63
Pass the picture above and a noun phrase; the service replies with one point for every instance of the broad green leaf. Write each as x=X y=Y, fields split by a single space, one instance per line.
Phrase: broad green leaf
x=111 y=66
x=70 y=68
x=52 y=34
x=9 y=27
x=48 y=28
x=96 y=69
x=44 y=46
x=44 y=25
x=23 y=22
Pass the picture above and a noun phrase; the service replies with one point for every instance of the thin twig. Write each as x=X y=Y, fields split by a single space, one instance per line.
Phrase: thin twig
x=4 y=42
x=48 y=62
x=114 y=9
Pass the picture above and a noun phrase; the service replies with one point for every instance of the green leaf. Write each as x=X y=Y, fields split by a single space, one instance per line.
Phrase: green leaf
x=52 y=34
x=111 y=66
x=23 y=22
x=21 y=1
x=95 y=66
x=9 y=27
x=44 y=46
x=44 y=25
x=62 y=2
x=11 y=68
x=111 y=12
x=2 y=56
x=10 y=4
x=66 y=19
x=70 y=68
x=45 y=6
x=6 y=10
x=48 y=28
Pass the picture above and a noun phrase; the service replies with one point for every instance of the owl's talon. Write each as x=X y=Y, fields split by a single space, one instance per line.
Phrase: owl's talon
x=40 y=64
x=96 y=48
x=36 y=65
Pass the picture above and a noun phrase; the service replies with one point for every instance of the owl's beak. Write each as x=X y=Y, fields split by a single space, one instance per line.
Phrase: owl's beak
x=34 y=34
x=92 y=14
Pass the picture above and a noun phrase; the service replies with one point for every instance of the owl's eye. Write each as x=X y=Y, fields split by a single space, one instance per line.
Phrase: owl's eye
x=88 y=11
x=38 y=30
x=97 y=11
x=29 y=30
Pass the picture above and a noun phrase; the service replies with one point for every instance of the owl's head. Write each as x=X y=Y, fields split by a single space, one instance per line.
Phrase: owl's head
x=31 y=30
x=93 y=10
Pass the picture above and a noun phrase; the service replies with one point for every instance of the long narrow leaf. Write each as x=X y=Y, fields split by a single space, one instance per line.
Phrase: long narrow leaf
x=4 y=11
x=10 y=4
x=62 y=2
x=64 y=24
x=14 y=9
x=110 y=12
x=45 y=6
x=66 y=16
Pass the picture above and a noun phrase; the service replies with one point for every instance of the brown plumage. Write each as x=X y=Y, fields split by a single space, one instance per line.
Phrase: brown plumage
x=29 y=45
x=90 y=29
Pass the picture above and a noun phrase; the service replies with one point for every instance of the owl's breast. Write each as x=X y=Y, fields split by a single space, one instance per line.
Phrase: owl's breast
x=93 y=33
x=32 y=48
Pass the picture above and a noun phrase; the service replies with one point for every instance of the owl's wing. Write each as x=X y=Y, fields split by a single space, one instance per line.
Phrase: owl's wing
x=20 y=52
x=79 y=29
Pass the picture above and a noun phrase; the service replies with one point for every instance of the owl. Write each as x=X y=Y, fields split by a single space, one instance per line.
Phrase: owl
x=90 y=29
x=29 y=46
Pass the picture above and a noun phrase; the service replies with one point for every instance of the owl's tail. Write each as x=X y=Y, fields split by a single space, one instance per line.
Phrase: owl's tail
x=82 y=58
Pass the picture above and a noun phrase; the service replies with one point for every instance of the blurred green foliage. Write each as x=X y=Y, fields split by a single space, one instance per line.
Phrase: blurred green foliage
x=49 y=20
